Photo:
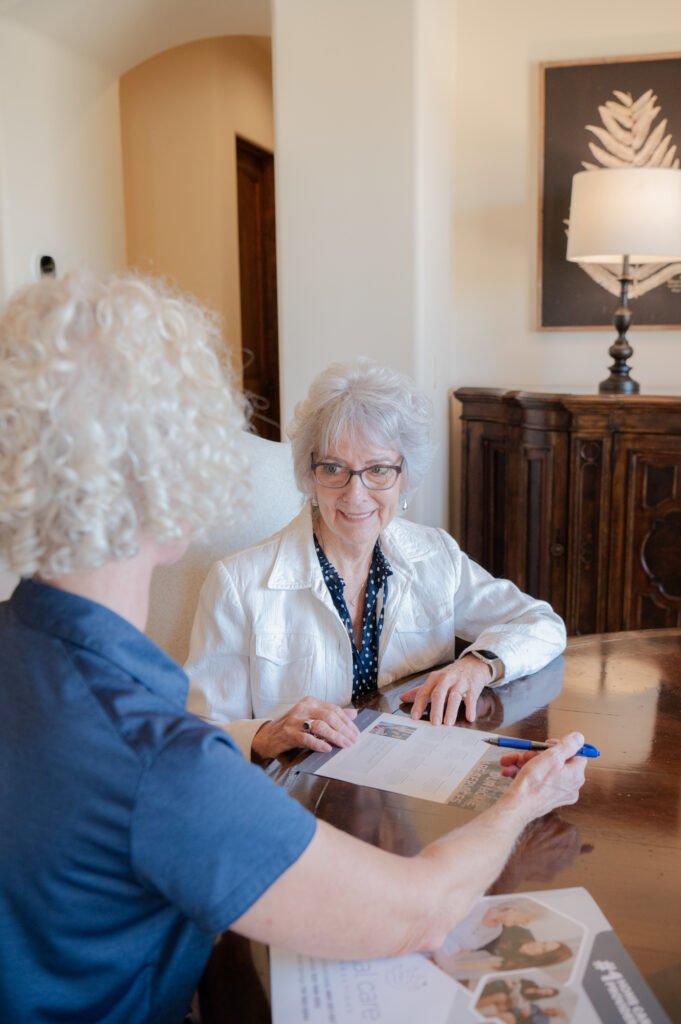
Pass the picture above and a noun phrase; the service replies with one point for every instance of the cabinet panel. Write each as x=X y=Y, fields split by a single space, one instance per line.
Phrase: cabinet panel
x=645 y=577
x=577 y=499
x=494 y=540
x=534 y=571
x=543 y=549
x=483 y=518
x=588 y=534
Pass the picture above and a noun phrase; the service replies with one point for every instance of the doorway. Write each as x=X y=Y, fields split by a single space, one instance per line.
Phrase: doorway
x=258 y=286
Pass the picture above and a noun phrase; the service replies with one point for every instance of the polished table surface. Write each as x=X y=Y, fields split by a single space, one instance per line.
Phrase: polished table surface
x=621 y=841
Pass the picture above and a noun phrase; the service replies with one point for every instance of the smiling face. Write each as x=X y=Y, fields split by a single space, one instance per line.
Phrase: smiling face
x=353 y=516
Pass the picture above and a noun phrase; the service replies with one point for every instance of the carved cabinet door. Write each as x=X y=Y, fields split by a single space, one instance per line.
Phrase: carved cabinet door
x=590 y=519
x=645 y=543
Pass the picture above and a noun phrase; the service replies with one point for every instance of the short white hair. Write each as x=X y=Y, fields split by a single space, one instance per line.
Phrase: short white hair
x=363 y=401
x=117 y=417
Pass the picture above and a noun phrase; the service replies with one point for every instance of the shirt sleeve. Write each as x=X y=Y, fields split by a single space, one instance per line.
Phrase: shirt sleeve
x=493 y=614
x=211 y=832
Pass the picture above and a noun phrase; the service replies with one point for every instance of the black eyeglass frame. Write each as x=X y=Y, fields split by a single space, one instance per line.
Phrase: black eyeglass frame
x=354 y=472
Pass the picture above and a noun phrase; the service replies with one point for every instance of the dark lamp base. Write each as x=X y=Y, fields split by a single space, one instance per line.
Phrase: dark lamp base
x=619 y=382
x=615 y=385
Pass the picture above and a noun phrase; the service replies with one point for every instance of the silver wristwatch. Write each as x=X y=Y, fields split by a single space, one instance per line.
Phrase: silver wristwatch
x=495 y=663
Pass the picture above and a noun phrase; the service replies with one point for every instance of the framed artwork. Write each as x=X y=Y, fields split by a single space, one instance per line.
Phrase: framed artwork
x=619 y=112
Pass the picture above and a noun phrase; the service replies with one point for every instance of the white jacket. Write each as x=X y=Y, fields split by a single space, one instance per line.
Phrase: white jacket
x=266 y=632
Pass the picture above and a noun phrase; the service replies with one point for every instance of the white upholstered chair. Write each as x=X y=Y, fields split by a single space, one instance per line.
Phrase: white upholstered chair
x=8 y=581
x=275 y=500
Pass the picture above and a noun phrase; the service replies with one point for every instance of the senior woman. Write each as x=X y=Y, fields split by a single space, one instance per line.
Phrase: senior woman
x=349 y=596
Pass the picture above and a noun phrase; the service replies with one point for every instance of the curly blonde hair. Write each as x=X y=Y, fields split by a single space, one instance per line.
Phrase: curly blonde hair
x=117 y=418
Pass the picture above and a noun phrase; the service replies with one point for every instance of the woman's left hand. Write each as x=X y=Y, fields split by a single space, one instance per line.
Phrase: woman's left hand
x=444 y=689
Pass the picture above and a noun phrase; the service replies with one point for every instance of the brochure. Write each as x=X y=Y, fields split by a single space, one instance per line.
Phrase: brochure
x=532 y=957
x=447 y=764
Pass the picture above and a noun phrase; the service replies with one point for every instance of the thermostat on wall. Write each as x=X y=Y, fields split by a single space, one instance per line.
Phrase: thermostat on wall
x=43 y=265
x=48 y=268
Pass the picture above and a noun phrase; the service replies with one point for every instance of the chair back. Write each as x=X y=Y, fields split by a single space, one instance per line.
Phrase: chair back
x=275 y=500
x=8 y=581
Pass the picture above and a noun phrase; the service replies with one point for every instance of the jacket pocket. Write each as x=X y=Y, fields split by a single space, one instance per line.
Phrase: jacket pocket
x=282 y=666
x=425 y=635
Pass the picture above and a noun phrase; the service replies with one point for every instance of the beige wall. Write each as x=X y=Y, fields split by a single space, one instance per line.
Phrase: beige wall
x=61 y=188
x=180 y=114
x=363 y=122
x=60 y=159
x=495 y=186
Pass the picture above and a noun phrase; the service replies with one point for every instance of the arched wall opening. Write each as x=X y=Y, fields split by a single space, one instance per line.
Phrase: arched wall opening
x=182 y=113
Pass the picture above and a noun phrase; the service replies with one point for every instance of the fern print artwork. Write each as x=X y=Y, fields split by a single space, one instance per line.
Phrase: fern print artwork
x=628 y=137
x=612 y=114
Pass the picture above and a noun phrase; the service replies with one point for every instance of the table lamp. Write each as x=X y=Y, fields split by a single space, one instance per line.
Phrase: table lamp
x=625 y=216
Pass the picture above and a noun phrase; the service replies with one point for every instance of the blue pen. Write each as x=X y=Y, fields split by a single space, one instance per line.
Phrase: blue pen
x=508 y=741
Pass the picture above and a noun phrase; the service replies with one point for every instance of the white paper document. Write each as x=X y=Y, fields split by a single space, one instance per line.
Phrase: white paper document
x=307 y=990
x=444 y=763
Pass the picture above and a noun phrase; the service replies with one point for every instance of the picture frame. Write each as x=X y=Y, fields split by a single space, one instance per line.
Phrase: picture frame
x=590 y=110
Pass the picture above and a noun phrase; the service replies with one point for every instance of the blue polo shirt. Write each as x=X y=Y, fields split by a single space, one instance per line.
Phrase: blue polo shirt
x=131 y=833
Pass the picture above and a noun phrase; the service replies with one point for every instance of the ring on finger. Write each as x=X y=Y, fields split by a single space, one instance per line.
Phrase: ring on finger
x=307 y=726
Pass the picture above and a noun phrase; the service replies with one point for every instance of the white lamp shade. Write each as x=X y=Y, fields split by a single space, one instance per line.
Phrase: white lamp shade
x=617 y=212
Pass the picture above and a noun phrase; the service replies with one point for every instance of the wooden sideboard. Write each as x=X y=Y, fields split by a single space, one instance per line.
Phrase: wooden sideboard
x=577 y=499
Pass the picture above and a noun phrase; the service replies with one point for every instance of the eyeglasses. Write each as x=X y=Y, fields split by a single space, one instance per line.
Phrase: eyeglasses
x=375 y=478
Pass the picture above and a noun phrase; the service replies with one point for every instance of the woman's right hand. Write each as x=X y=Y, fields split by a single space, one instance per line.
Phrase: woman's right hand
x=330 y=726
x=545 y=780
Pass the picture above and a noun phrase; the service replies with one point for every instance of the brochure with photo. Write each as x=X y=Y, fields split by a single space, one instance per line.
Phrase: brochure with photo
x=442 y=763
x=534 y=957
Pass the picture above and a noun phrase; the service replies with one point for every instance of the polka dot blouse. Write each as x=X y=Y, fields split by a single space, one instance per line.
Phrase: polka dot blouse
x=364 y=658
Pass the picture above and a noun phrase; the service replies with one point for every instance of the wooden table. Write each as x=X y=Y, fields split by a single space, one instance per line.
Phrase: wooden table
x=621 y=841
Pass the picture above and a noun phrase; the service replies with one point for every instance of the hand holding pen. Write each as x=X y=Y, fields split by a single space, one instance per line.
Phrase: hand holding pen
x=587 y=750
x=544 y=779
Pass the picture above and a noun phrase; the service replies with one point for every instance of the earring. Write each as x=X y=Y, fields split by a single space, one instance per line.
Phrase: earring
x=405 y=504
x=314 y=502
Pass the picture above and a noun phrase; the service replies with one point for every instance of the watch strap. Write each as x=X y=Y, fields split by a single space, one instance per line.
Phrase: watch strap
x=491 y=659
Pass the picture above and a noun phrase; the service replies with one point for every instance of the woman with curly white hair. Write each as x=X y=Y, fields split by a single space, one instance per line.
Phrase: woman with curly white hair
x=102 y=441
x=350 y=596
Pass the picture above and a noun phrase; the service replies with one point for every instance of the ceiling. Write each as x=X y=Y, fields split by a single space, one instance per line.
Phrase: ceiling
x=123 y=33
